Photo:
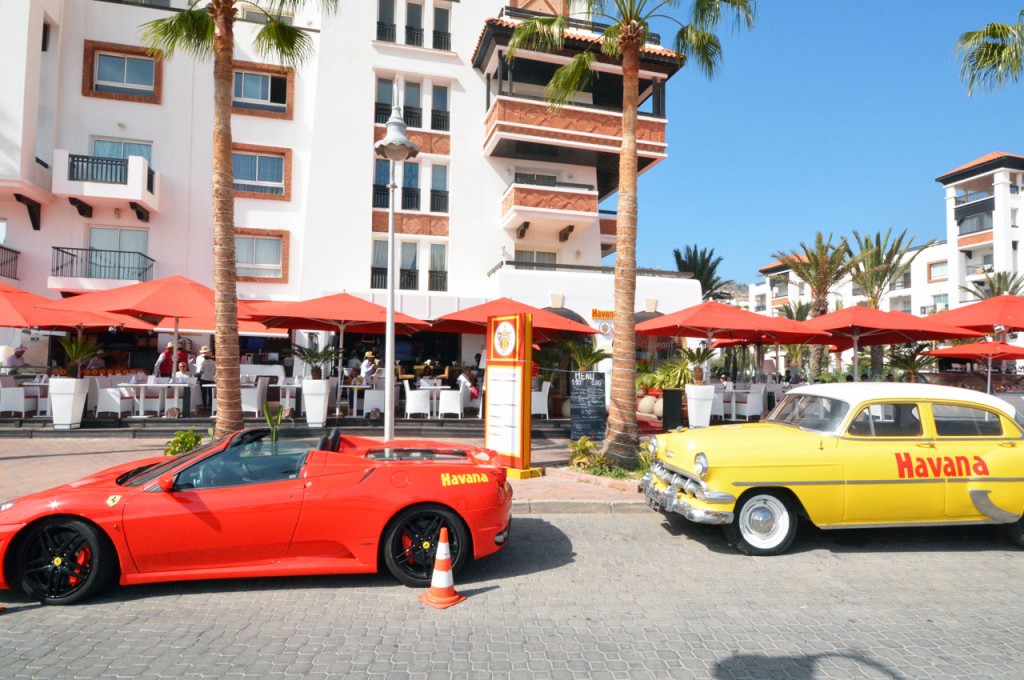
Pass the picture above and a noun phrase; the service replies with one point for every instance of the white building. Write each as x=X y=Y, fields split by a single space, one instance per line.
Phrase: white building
x=983 y=200
x=105 y=163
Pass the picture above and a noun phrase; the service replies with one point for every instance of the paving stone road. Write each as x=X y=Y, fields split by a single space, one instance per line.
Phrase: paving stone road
x=572 y=596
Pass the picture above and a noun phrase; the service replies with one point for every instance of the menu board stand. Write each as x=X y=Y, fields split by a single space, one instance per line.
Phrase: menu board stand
x=588 y=414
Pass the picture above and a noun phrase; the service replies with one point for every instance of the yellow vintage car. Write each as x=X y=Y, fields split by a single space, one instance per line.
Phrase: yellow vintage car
x=847 y=456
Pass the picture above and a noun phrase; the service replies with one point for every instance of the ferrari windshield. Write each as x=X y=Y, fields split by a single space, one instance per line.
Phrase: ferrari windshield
x=148 y=473
x=810 y=412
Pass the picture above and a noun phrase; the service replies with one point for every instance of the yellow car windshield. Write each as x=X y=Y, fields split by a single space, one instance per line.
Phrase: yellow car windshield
x=810 y=412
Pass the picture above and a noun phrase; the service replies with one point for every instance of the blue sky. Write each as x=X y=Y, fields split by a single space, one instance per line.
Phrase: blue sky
x=831 y=115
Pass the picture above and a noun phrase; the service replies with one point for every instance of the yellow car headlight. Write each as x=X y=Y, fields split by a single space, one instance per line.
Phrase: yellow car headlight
x=700 y=465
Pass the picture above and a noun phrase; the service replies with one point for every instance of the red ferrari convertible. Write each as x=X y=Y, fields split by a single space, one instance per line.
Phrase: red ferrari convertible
x=249 y=506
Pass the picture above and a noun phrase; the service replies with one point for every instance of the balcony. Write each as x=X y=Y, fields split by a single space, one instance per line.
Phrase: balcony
x=438 y=281
x=442 y=41
x=438 y=201
x=439 y=120
x=550 y=208
x=68 y=266
x=9 y=262
x=410 y=198
x=414 y=36
x=381 y=112
x=386 y=32
x=413 y=116
x=381 y=196
x=972 y=196
x=111 y=182
x=527 y=129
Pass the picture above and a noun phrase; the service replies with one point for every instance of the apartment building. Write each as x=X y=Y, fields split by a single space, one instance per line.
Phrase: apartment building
x=105 y=162
x=983 y=200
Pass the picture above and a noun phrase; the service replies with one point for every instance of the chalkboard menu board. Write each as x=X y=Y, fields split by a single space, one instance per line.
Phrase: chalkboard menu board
x=587 y=413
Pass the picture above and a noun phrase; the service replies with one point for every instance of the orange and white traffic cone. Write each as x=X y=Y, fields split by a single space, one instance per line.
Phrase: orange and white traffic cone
x=442 y=587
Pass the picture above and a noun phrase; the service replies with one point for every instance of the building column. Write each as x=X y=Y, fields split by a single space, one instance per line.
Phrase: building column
x=953 y=256
x=1002 y=251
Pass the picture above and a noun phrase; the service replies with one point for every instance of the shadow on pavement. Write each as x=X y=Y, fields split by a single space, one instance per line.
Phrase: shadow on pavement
x=801 y=667
x=534 y=546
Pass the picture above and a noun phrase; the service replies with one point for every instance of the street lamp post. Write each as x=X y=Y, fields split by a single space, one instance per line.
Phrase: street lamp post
x=395 y=147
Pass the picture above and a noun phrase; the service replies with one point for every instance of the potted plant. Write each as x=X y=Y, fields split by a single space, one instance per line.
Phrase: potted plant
x=315 y=389
x=583 y=354
x=699 y=397
x=68 y=395
x=907 y=358
x=671 y=377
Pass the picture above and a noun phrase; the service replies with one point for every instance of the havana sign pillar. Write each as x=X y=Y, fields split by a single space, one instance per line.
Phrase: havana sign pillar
x=507 y=394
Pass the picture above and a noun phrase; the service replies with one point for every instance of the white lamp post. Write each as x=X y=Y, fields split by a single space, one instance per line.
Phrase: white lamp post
x=395 y=147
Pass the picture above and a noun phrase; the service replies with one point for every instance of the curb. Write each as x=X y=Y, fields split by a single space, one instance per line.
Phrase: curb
x=576 y=507
x=575 y=476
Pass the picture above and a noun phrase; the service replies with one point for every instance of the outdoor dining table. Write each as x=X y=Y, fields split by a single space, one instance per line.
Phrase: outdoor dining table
x=730 y=398
x=137 y=395
x=351 y=393
x=435 y=399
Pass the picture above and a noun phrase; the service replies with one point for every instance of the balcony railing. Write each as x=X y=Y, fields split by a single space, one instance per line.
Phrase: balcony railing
x=439 y=120
x=381 y=112
x=545 y=181
x=380 y=196
x=969 y=226
x=597 y=269
x=443 y=41
x=438 y=281
x=413 y=116
x=378 y=277
x=414 y=36
x=102 y=170
x=971 y=196
x=438 y=201
x=977 y=270
x=385 y=32
x=902 y=283
x=932 y=309
x=580 y=24
x=88 y=263
x=760 y=308
x=9 y=262
x=408 y=279
x=410 y=198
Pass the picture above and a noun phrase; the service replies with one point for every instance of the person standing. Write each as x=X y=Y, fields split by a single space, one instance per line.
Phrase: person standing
x=17 y=360
x=367 y=368
x=207 y=370
x=167 y=360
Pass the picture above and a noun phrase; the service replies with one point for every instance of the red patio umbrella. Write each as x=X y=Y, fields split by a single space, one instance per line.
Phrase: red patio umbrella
x=1002 y=310
x=713 y=320
x=21 y=309
x=473 y=320
x=990 y=351
x=861 y=326
x=207 y=324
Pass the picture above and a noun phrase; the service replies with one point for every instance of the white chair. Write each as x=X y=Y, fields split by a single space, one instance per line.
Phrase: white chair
x=539 y=400
x=451 y=402
x=417 y=402
x=332 y=393
x=152 y=397
x=718 y=402
x=15 y=400
x=8 y=381
x=288 y=393
x=469 y=402
x=175 y=398
x=372 y=399
x=114 y=400
x=253 y=398
x=754 y=405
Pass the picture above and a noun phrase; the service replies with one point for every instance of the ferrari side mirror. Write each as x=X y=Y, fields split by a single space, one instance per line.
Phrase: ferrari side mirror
x=166 y=482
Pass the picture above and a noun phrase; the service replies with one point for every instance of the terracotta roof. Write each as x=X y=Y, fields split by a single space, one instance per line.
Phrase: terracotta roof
x=995 y=155
x=654 y=50
x=777 y=264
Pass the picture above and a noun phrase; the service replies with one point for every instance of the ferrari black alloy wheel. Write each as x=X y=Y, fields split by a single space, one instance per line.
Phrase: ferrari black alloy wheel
x=410 y=543
x=62 y=561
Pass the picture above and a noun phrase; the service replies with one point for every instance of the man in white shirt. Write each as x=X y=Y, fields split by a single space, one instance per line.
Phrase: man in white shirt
x=17 y=360
x=367 y=368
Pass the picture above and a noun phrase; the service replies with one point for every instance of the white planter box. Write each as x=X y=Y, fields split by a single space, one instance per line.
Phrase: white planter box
x=67 y=402
x=699 y=399
x=315 y=397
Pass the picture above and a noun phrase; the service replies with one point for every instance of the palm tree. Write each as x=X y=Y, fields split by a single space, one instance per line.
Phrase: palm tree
x=206 y=32
x=992 y=56
x=623 y=40
x=703 y=264
x=821 y=266
x=999 y=283
x=798 y=311
x=882 y=263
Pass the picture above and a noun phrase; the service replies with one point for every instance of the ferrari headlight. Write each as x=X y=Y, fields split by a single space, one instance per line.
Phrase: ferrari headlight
x=6 y=505
x=700 y=465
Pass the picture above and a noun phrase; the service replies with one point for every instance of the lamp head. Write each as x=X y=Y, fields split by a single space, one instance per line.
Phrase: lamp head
x=396 y=145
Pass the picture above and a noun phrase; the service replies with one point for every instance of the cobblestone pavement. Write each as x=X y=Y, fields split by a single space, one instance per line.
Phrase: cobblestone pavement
x=572 y=596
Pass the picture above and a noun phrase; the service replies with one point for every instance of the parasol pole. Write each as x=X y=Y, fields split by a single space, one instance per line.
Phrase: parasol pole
x=988 y=383
x=177 y=348
x=856 y=372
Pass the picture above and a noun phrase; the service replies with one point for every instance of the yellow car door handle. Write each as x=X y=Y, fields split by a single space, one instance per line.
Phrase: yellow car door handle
x=927 y=445
x=1008 y=445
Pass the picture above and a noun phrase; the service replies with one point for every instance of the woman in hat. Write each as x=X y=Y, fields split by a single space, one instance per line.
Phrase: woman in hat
x=367 y=368
x=206 y=371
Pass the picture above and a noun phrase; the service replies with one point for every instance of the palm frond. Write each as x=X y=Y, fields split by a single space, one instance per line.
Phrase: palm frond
x=701 y=47
x=999 y=283
x=610 y=44
x=291 y=6
x=191 y=30
x=569 y=79
x=543 y=34
x=278 y=40
x=992 y=56
x=882 y=262
x=703 y=264
x=708 y=13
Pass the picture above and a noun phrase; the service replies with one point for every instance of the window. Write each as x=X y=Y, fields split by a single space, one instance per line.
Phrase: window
x=124 y=72
x=940 y=302
x=442 y=36
x=439 y=189
x=412 y=112
x=975 y=223
x=408 y=273
x=262 y=172
x=256 y=14
x=534 y=257
x=118 y=254
x=263 y=90
x=414 y=24
x=439 y=116
x=379 y=265
x=386 y=20
x=382 y=107
x=410 y=186
x=965 y=421
x=938 y=271
x=122 y=148
x=887 y=420
x=438 y=267
x=381 y=180
x=261 y=255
